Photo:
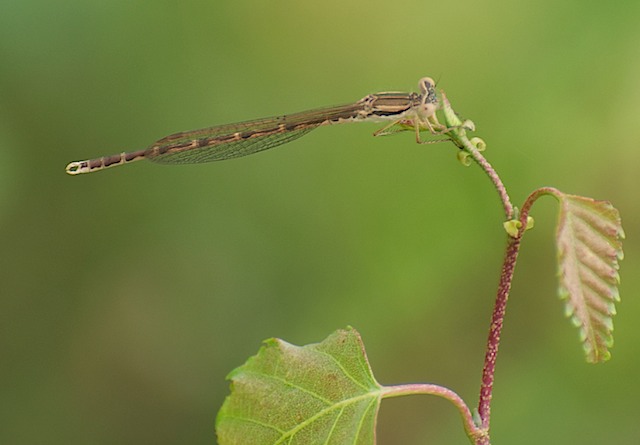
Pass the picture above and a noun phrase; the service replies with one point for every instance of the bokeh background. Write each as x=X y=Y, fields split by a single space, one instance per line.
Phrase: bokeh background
x=127 y=296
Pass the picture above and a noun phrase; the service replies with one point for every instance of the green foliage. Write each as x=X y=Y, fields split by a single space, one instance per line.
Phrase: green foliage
x=322 y=393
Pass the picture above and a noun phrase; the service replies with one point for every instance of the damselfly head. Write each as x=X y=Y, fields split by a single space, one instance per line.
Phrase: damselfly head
x=426 y=85
x=429 y=102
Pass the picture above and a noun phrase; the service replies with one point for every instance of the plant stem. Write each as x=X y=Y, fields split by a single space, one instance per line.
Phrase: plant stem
x=497 y=319
x=458 y=136
x=475 y=433
x=493 y=176
x=500 y=306
x=524 y=212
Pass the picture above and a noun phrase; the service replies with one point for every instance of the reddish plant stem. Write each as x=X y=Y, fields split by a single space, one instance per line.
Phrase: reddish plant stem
x=493 y=176
x=500 y=306
x=497 y=319
x=457 y=134
x=506 y=276
x=472 y=430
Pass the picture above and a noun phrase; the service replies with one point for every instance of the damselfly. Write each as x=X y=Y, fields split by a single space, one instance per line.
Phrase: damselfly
x=406 y=111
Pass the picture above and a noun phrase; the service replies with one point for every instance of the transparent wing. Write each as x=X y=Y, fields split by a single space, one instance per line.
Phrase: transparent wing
x=229 y=149
x=244 y=138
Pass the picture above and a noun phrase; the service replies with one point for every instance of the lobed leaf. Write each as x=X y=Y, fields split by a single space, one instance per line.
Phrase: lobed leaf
x=589 y=238
x=322 y=393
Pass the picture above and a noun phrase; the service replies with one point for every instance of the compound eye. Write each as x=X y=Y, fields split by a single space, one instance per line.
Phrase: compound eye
x=426 y=84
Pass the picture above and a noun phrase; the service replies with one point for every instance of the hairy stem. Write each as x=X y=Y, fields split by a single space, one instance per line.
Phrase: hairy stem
x=502 y=296
x=459 y=138
x=493 y=176
x=497 y=319
x=458 y=135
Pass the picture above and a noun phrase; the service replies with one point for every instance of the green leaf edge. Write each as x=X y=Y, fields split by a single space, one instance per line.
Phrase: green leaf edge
x=375 y=392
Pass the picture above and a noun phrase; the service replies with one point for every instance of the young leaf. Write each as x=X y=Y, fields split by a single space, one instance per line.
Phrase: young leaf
x=323 y=393
x=589 y=238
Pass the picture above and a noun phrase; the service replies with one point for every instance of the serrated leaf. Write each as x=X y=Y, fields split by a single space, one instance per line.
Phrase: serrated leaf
x=589 y=238
x=323 y=393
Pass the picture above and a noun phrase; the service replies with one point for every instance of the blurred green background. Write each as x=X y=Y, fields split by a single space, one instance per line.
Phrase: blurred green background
x=127 y=296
